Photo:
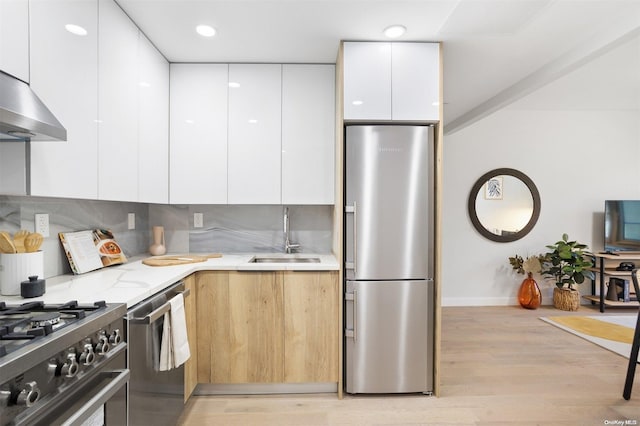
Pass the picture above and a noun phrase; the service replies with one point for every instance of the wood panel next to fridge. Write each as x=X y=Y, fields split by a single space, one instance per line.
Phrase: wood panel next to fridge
x=311 y=327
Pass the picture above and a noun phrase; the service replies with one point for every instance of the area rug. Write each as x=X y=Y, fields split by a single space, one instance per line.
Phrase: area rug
x=614 y=333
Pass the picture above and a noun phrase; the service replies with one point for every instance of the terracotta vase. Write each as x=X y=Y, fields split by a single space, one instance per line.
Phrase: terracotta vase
x=158 y=248
x=529 y=294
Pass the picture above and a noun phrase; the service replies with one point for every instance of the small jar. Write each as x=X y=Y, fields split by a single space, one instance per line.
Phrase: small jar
x=33 y=287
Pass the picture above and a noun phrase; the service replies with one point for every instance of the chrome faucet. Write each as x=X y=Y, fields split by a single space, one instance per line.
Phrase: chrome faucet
x=288 y=246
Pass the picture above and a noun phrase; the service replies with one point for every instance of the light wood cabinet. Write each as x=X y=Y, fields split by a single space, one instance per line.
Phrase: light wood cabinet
x=240 y=316
x=267 y=327
x=255 y=149
x=14 y=38
x=66 y=79
x=191 y=365
x=391 y=81
x=308 y=134
x=198 y=169
x=311 y=327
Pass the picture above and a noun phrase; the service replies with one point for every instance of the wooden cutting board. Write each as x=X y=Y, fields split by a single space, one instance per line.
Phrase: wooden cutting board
x=178 y=259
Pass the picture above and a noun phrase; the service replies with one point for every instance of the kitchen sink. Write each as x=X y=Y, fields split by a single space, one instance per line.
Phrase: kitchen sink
x=284 y=259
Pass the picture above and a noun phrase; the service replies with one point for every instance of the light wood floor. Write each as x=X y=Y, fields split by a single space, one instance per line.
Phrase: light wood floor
x=500 y=366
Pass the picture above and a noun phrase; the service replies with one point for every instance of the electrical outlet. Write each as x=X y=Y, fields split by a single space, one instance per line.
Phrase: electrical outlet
x=42 y=224
x=131 y=221
x=198 y=220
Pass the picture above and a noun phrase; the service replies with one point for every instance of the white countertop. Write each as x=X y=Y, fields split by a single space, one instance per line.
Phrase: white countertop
x=134 y=281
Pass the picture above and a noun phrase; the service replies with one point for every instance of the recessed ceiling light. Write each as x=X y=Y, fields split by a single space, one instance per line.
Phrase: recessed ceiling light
x=233 y=84
x=357 y=103
x=75 y=29
x=206 y=30
x=394 y=31
x=253 y=121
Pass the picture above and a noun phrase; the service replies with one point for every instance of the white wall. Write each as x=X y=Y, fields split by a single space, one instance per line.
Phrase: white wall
x=577 y=159
x=578 y=139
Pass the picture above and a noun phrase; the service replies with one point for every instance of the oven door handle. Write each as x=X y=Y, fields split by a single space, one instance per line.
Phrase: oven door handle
x=158 y=313
x=120 y=378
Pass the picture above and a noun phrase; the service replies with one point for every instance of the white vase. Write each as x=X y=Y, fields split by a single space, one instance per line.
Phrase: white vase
x=158 y=248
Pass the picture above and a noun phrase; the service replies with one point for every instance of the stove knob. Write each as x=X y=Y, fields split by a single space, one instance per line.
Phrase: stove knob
x=115 y=337
x=70 y=367
x=87 y=356
x=102 y=347
x=29 y=395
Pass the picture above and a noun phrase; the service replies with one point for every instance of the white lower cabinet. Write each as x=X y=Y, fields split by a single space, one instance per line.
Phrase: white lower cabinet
x=198 y=147
x=254 y=158
x=64 y=74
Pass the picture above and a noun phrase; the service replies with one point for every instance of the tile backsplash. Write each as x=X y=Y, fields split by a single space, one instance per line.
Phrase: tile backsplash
x=226 y=229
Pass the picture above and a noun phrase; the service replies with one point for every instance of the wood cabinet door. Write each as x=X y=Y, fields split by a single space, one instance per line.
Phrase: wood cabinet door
x=191 y=366
x=311 y=323
x=240 y=331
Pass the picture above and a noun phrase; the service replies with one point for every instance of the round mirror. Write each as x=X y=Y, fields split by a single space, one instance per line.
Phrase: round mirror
x=504 y=205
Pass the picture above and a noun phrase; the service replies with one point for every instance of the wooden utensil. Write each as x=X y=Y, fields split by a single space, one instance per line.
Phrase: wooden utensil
x=18 y=240
x=178 y=259
x=33 y=242
x=6 y=244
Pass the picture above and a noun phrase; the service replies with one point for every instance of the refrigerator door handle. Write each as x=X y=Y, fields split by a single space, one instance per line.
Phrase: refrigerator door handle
x=352 y=209
x=354 y=297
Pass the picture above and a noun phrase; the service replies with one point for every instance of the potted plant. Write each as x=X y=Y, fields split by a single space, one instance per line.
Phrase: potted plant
x=529 y=295
x=567 y=264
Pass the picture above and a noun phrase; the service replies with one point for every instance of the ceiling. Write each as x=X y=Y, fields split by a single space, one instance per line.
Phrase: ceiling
x=495 y=51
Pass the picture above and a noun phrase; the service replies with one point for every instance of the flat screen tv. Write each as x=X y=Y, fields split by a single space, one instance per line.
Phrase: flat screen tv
x=622 y=225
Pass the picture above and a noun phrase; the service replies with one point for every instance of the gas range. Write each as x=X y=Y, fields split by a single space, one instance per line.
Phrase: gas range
x=49 y=351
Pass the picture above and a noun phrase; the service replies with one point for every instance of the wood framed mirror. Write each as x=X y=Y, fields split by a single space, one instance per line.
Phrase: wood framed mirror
x=504 y=205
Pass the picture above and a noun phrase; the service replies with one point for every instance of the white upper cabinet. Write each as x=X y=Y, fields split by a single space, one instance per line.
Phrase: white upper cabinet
x=153 y=124
x=14 y=38
x=118 y=105
x=254 y=134
x=391 y=81
x=308 y=134
x=415 y=81
x=367 y=81
x=198 y=173
x=64 y=75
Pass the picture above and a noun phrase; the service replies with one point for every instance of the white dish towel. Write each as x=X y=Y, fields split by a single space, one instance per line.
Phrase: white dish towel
x=174 y=349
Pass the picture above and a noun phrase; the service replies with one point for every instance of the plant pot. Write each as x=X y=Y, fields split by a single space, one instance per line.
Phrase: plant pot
x=529 y=295
x=566 y=299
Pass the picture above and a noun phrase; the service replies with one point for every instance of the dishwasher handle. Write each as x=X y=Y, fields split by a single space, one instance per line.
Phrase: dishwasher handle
x=158 y=313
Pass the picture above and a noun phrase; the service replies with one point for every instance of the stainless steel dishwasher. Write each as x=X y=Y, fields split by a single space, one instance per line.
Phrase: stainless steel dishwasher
x=155 y=397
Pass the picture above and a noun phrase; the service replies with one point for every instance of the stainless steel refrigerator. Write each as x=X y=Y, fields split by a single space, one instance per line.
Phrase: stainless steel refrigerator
x=389 y=299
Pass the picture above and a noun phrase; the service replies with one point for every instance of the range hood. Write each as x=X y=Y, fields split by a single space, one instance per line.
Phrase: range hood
x=23 y=116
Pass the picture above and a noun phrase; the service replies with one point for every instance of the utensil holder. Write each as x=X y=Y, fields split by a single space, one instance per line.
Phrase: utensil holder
x=17 y=267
